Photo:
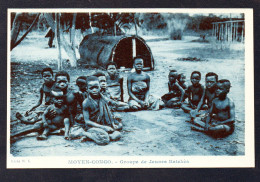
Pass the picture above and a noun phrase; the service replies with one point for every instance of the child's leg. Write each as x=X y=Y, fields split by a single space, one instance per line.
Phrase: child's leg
x=47 y=128
x=173 y=103
x=186 y=107
x=44 y=135
x=122 y=108
x=199 y=129
x=155 y=103
x=116 y=135
x=25 y=120
x=199 y=123
x=98 y=135
x=67 y=128
x=28 y=129
x=133 y=105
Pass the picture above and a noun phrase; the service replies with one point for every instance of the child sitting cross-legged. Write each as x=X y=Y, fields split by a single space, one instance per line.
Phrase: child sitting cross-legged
x=221 y=118
x=97 y=113
x=194 y=93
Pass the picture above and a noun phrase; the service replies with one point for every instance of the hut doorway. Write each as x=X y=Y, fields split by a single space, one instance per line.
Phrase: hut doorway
x=98 y=50
x=130 y=47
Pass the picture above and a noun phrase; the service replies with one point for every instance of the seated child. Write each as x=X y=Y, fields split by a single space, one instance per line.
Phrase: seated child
x=62 y=79
x=221 y=118
x=207 y=98
x=182 y=78
x=97 y=113
x=138 y=85
x=50 y=124
x=75 y=100
x=45 y=90
x=114 y=104
x=176 y=92
x=114 y=82
x=194 y=93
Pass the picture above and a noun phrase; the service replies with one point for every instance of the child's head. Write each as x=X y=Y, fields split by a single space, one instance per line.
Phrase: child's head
x=211 y=80
x=57 y=97
x=111 y=68
x=102 y=79
x=81 y=83
x=173 y=75
x=223 y=87
x=93 y=86
x=47 y=75
x=181 y=78
x=195 y=78
x=62 y=79
x=138 y=63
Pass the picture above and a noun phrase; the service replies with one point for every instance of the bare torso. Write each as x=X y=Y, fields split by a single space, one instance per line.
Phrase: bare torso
x=139 y=84
x=209 y=96
x=221 y=108
x=60 y=114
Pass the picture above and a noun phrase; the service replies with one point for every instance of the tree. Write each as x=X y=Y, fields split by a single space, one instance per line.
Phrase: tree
x=16 y=27
x=69 y=47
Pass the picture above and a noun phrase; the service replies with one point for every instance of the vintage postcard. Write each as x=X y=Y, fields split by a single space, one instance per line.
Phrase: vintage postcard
x=130 y=88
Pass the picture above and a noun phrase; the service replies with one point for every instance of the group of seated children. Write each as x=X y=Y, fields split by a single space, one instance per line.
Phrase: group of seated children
x=87 y=112
x=219 y=115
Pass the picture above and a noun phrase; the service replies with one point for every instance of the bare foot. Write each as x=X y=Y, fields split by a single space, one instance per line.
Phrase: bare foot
x=67 y=137
x=42 y=137
x=116 y=135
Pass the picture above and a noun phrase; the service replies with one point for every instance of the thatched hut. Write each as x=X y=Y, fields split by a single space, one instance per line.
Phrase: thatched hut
x=97 y=50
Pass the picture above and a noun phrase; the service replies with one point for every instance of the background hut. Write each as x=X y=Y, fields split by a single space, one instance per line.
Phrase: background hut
x=97 y=50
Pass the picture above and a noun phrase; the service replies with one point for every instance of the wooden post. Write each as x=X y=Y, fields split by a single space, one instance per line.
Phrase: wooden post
x=231 y=31
x=213 y=30
x=237 y=32
x=222 y=32
x=90 y=23
x=235 y=29
x=134 y=47
x=226 y=32
x=242 y=36
x=57 y=34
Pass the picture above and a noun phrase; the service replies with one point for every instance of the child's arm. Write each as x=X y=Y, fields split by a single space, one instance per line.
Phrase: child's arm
x=202 y=100
x=181 y=89
x=208 y=119
x=121 y=81
x=169 y=87
x=39 y=102
x=188 y=92
x=148 y=90
x=71 y=106
x=231 y=120
x=46 y=113
x=91 y=123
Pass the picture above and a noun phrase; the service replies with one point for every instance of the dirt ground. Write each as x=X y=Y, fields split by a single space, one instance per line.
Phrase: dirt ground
x=146 y=133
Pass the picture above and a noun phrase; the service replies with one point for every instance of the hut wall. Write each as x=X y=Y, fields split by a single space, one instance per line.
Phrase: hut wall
x=98 y=50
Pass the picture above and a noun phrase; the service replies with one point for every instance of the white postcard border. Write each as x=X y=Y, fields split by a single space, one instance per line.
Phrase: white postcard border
x=248 y=160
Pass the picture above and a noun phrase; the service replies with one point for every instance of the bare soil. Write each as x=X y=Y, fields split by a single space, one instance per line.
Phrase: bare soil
x=145 y=133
